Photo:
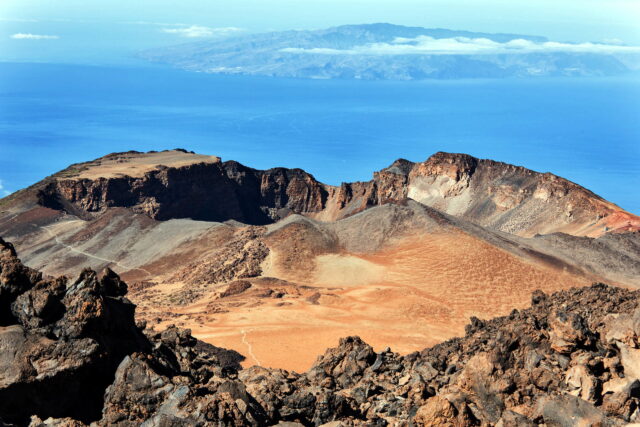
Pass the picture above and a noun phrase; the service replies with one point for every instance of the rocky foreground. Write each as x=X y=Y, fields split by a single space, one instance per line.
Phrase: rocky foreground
x=71 y=354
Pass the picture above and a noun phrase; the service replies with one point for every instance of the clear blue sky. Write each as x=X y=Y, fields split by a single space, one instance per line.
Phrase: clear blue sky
x=109 y=31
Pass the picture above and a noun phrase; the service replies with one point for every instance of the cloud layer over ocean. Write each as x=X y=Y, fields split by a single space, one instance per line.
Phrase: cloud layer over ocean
x=425 y=45
x=29 y=36
x=196 y=31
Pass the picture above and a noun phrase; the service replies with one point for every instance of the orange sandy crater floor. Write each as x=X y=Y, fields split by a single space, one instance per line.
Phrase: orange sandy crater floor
x=423 y=291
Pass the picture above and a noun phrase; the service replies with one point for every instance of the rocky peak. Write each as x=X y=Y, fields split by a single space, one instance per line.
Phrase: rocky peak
x=452 y=165
x=345 y=364
x=399 y=167
x=175 y=184
x=512 y=198
x=7 y=251
x=15 y=279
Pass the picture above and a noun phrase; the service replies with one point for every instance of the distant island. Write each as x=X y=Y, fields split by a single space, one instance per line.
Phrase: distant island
x=394 y=52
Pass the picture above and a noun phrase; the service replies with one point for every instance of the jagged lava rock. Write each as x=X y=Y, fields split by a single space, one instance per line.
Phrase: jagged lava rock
x=71 y=354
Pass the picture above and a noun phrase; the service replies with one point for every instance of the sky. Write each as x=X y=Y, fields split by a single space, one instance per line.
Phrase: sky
x=108 y=32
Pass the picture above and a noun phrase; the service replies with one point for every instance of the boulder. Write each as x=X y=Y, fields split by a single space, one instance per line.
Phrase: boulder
x=437 y=411
x=568 y=331
x=569 y=411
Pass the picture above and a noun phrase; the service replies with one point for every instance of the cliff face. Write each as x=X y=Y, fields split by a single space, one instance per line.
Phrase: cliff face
x=493 y=194
x=211 y=192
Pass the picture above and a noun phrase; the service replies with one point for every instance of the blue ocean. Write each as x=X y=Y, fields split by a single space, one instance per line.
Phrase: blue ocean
x=586 y=130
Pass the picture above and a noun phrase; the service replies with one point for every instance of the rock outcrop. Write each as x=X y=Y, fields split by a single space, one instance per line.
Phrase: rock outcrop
x=201 y=191
x=73 y=350
x=493 y=194
x=61 y=341
x=513 y=199
x=71 y=354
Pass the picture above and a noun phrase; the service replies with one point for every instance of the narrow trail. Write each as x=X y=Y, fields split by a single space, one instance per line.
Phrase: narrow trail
x=11 y=218
x=71 y=248
x=248 y=344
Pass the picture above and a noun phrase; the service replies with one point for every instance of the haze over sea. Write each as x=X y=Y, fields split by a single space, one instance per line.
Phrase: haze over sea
x=584 y=129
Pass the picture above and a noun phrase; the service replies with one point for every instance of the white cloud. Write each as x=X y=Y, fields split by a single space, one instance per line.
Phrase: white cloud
x=200 y=31
x=614 y=41
x=28 y=36
x=424 y=45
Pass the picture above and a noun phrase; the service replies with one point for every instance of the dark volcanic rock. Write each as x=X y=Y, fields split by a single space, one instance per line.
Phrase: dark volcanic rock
x=65 y=345
x=201 y=191
x=70 y=354
x=15 y=279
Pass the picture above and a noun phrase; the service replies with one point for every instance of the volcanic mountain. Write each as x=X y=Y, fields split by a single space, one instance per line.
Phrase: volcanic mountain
x=273 y=263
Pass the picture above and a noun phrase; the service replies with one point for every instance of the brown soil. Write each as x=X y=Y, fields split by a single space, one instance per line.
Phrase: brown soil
x=135 y=165
x=427 y=289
